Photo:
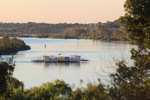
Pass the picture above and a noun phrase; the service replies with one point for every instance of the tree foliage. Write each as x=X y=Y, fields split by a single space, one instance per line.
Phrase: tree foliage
x=103 y=31
x=5 y=73
x=59 y=90
x=133 y=82
x=137 y=21
x=7 y=82
x=91 y=92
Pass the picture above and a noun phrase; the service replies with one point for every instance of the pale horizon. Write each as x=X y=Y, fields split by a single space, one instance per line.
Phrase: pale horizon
x=60 y=11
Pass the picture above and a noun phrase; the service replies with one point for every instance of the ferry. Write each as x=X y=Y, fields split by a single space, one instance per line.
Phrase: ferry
x=51 y=58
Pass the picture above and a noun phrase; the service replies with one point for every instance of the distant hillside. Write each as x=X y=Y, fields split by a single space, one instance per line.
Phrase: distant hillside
x=103 y=31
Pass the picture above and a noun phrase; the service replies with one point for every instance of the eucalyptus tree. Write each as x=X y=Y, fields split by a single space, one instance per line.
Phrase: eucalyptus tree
x=6 y=71
x=133 y=82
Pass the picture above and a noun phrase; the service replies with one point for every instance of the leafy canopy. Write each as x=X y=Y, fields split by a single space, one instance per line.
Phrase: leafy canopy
x=133 y=82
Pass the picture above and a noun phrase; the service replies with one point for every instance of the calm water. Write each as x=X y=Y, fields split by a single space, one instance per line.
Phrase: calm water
x=102 y=56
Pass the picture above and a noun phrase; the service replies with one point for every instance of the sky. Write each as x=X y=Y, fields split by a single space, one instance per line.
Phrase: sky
x=60 y=11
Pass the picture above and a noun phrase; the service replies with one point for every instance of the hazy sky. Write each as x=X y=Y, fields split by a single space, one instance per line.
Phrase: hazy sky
x=60 y=11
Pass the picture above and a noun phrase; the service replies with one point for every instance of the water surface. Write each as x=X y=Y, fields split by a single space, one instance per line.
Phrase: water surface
x=102 y=56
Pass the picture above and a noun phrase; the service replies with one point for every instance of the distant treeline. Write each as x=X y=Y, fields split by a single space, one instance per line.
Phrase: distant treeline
x=11 y=46
x=101 y=31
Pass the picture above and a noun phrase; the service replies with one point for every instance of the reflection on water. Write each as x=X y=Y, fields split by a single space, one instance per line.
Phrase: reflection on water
x=61 y=64
x=100 y=56
x=54 y=64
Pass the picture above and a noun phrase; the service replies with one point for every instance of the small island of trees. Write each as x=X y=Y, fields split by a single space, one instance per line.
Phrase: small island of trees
x=12 y=45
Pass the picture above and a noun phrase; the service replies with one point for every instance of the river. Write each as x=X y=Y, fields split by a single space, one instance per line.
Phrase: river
x=102 y=57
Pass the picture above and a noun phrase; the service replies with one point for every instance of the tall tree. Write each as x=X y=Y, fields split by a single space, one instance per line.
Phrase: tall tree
x=133 y=82
x=6 y=71
x=7 y=82
x=137 y=21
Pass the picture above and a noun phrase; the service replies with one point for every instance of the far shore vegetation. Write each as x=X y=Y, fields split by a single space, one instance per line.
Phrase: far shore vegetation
x=109 y=31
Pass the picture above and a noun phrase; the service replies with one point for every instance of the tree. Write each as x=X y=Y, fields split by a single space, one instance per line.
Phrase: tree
x=57 y=90
x=133 y=82
x=8 y=84
x=6 y=71
x=137 y=21
x=91 y=92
